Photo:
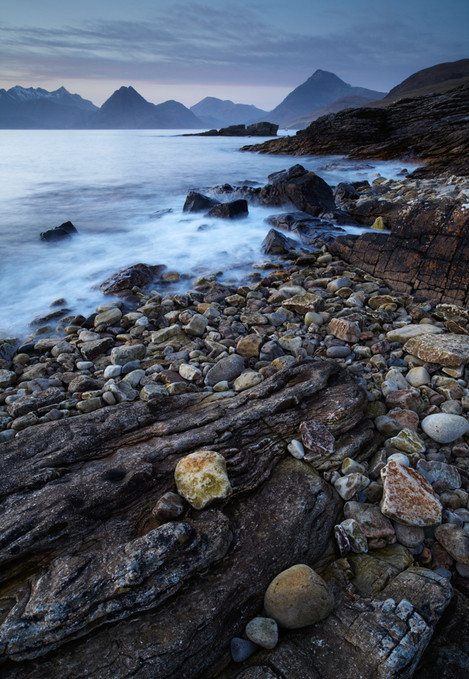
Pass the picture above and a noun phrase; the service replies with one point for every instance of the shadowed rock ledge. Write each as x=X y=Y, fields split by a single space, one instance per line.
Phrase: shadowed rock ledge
x=87 y=570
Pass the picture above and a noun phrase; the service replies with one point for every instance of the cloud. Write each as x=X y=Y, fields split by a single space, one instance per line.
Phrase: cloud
x=236 y=45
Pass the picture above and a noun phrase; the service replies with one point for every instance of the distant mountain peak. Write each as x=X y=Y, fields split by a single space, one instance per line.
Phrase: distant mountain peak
x=318 y=91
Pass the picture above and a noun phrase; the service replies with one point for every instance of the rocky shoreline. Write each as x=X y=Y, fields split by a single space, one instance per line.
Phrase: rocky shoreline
x=335 y=407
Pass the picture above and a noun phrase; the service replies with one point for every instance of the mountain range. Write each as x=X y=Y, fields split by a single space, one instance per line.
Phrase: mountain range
x=322 y=93
x=30 y=108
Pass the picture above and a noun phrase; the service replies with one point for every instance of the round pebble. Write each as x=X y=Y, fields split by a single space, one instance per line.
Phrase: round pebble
x=445 y=428
x=298 y=597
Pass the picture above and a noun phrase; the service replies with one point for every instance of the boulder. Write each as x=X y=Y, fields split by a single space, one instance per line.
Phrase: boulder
x=62 y=232
x=305 y=190
x=425 y=254
x=197 y=202
x=234 y=210
x=127 y=277
x=275 y=243
x=263 y=129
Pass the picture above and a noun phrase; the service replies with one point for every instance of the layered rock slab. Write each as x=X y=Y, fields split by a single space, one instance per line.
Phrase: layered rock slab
x=77 y=502
x=190 y=632
x=380 y=638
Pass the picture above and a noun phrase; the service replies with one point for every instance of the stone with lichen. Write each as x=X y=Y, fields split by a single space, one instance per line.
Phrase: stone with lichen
x=201 y=478
x=408 y=498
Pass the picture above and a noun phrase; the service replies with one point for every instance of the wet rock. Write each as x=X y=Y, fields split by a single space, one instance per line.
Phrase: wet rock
x=298 y=597
x=234 y=210
x=408 y=498
x=130 y=276
x=201 y=478
x=62 y=232
x=197 y=202
x=305 y=190
x=275 y=243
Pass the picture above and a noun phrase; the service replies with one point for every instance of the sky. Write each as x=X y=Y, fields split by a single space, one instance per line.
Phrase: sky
x=249 y=51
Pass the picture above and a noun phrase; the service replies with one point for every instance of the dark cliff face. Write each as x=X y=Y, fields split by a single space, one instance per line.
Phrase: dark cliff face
x=433 y=128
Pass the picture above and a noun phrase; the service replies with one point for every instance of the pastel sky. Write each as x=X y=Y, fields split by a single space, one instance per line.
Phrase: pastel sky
x=250 y=51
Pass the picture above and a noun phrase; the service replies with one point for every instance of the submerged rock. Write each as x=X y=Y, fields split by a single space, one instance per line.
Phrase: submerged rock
x=62 y=232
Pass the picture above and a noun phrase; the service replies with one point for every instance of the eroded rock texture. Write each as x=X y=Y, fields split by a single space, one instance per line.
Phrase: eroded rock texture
x=426 y=252
x=372 y=639
x=92 y=585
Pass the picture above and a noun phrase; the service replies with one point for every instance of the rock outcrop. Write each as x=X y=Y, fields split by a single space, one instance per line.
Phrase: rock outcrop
x=263 y=129
x=62 y=232
x=82 y=553
x=431 y=128
x=426 y=252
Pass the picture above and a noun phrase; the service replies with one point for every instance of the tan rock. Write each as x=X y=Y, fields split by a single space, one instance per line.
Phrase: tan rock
x=344 y=329
x=201 y=477
x=249 y=346
x=450 y=350
x=301 y=304
x=408 y=332
x=298 y=597
x=407 y=497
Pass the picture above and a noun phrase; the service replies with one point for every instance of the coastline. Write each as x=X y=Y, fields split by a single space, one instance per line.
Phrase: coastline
x=147 y=355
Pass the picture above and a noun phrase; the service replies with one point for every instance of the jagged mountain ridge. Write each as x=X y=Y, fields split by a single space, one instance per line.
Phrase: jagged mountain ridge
x=127 y=109
x=36 y=108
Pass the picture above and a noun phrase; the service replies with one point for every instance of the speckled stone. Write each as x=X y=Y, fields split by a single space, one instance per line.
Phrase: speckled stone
x=263 y=632
x=445 y=428
x=247 y=380
x=450 y=350
x=298 y=597
x=455 y=541
x=201 y=478
x=408 y=441
x=348 y=331
x=301 y=304
x=408 y=497
x=408 y=332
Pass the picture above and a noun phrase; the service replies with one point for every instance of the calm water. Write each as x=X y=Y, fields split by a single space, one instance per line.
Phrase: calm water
x=116 y=186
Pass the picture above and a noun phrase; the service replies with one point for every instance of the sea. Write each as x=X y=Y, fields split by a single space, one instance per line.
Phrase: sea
x=124 y=191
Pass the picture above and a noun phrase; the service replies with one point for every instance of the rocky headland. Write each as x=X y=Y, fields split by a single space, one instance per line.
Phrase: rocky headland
x=433 y=128
x=257 y=480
